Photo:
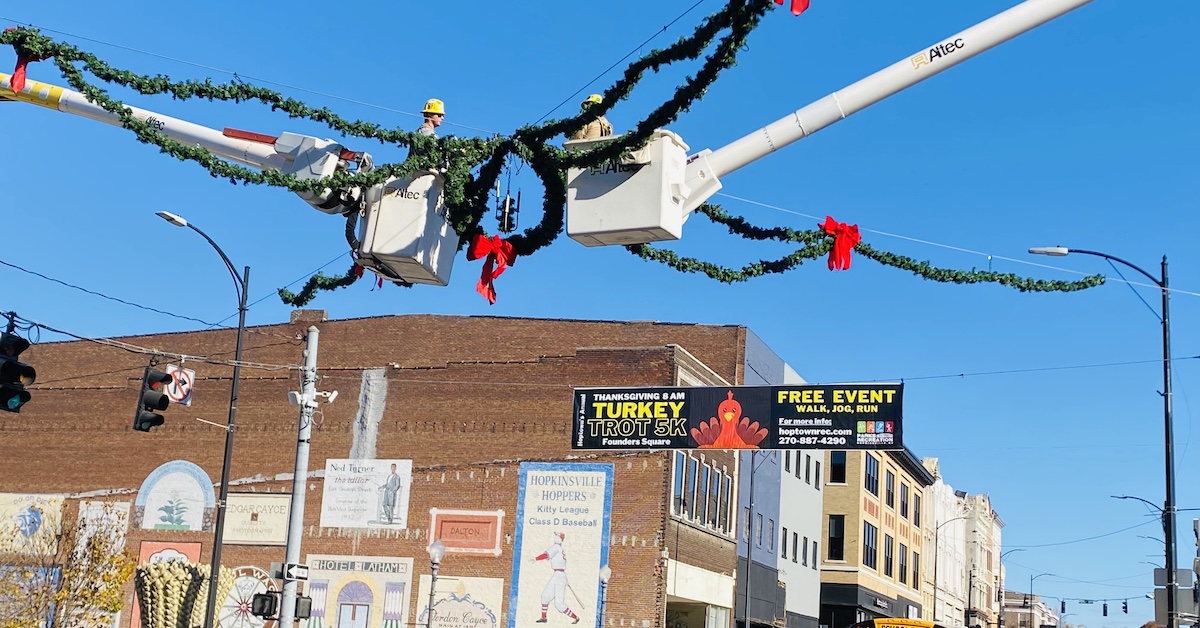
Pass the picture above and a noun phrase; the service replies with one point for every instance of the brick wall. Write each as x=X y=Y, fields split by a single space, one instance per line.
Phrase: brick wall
x=468 y=398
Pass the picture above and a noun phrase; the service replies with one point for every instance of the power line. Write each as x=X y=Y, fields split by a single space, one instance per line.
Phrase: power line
x=1037 y=369
x=237 y=76
x=1090 y=538
x=619 y=61
x=959 y=249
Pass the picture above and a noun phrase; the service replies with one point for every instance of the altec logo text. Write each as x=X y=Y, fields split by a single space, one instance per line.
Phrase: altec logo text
x=937 y=52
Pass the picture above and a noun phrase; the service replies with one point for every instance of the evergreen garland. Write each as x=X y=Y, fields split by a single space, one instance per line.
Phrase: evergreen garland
x=472 y=166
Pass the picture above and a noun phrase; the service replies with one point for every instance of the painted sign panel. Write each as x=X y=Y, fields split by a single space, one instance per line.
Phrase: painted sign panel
x=461 y=602
x=178 y=495
x=467 y=531
x=830 y=416
x=359 y=591
x=564 y=512
x=156 y=552
x=366 y=493
x=30 y=523
x=256 y=519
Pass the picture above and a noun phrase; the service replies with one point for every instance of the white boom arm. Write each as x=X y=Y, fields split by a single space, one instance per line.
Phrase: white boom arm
x=304 y=156
x=705 y=169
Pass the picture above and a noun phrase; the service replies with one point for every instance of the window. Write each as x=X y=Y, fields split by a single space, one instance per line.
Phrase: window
x=871 y=478
x=758 y=529
x=837 y=467
x=796 y=550
x=783 y=544
x=818 y=474
x=904 y=501
x=917 y=510
x=787 y=461
x=903 y=563
x=887 y=554
x=714 y=497
x=677 y=488
x=836 y=545
x=690 y=493
x=702 y=496
x=727 y=506
x=814 y=562
x=870 y=549
x=916 y=571
x=807 y=469
x=771 y=535
x=889 y=489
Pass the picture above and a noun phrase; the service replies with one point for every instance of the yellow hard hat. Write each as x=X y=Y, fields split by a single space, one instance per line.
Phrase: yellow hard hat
x=594 y=99
x=434 y=105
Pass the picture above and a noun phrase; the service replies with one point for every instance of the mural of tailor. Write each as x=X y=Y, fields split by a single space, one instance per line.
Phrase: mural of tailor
x=178 y=495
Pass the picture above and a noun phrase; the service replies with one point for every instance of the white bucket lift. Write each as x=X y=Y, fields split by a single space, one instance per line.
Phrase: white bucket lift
x=404 y=234
x=632 y=200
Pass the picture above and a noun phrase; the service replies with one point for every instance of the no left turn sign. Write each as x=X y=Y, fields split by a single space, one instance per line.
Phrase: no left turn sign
x=180 y=389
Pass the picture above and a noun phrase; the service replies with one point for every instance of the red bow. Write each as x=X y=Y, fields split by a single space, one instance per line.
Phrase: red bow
x=18 y=76
x=845 y=237
x=798 y=6
x=358 y=272
x=499 y=256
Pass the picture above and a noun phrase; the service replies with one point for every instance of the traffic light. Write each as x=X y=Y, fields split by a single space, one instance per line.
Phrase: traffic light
x=151 y=399
x=1105 y=609
x=1062 y=607
x=1125 y=607
x=265 y=605
x=14 y=376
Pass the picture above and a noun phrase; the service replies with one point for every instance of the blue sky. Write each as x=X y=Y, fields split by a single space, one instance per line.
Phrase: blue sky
x=1081 y=133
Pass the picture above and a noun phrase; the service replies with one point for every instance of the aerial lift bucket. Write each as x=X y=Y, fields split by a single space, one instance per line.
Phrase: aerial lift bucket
x=404 y=234
x=629 y=200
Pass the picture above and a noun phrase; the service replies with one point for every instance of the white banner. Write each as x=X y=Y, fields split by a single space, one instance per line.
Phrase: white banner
x=366 y=493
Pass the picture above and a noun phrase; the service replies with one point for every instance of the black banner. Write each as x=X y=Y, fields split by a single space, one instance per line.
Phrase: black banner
x=828 y=416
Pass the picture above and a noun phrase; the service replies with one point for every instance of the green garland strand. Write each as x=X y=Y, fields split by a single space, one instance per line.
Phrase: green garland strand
x=472 y=166
x=817 y=243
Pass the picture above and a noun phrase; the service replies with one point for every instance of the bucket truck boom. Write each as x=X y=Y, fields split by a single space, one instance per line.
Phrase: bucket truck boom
x=647 y=196
x=403 y=234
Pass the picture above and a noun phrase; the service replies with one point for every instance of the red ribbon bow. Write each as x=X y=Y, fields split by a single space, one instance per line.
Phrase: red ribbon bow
x=845 y=237
x=17 y=83
x=798 y=6
x=358 y=272
x=499 y=256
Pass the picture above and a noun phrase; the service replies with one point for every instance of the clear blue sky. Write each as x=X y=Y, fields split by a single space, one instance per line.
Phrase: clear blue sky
x=1082 y=133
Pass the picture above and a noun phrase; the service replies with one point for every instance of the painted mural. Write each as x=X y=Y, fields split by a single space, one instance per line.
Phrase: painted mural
x=460 y=602
x=156 y=552
x=564 y=512
x=359 y=591
x=366 y=493
x=178 y=495
x=29 y=523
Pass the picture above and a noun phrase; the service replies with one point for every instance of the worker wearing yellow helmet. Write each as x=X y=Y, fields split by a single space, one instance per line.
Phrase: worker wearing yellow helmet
x=435 y=112
x=600 y=127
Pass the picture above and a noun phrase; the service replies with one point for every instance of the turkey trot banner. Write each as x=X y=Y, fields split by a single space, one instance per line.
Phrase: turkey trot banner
x=564 y=511
x=827 y=416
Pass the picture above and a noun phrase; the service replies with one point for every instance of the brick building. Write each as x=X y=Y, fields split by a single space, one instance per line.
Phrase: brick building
x=467 y=399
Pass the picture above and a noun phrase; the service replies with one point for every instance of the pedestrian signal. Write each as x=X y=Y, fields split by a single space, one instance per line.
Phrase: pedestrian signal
x=14 y=375
x=152 y=399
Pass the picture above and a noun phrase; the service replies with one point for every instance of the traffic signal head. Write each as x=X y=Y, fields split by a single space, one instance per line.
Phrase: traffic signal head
x=14 y=375
x=1062 y=606
x=264 y=605
x=1105 y=609
x=1125 y=607
x=152 y=398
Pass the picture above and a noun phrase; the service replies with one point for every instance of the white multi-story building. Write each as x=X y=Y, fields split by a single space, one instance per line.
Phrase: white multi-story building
x=948 y=577
x=983 y=561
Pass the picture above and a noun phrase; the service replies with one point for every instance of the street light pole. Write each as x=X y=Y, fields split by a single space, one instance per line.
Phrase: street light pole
x=1168 y=510
x=437 y=550
x=937 y=535
x=240 y=285
x=605 y=575
x=1000 y=583
x=1032 y=604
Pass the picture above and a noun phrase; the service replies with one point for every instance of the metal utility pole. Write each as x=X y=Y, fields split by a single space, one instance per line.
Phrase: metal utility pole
x=308 y=394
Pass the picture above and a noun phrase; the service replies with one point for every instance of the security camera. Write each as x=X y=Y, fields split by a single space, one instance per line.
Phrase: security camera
x=330 y=396
x=293 y=397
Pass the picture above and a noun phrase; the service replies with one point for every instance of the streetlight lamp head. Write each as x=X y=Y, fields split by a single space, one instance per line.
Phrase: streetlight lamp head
x=174 y=219
x=605 y=574
x=1053 y=251
x=437 y=550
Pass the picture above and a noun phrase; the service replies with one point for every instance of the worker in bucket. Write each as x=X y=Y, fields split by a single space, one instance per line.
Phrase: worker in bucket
x=600 y=127
x=434 y=112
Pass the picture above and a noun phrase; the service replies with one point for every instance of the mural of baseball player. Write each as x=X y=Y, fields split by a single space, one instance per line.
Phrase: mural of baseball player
x=556 y=588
